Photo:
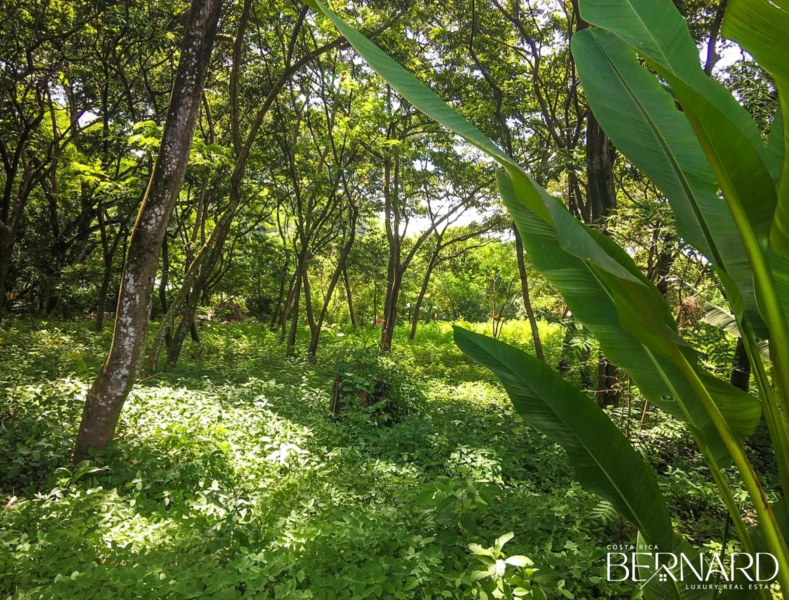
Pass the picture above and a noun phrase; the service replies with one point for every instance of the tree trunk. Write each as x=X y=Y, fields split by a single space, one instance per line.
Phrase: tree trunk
x=294 y=319
x=339 y=271
x=281 y=296
x=349 y=297
x=6 y=248
x=423 y=290
x=116 y=378
x=163 y=293
x=390 y=312
x=535 y=332
x=283 y=321
x=601 y=198
x=103 y=290
x=600 y=155
x=607 y=376
x=183 y=329
x=741 y=367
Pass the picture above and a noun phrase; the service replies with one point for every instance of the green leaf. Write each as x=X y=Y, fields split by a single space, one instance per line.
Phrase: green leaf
x=728 y=135
x=640 y=117
x=655 y=589
x=760 y=26
x=519 y=561
x=603 y=460
x=595 y=305
x=499 y=543
x=480 y=551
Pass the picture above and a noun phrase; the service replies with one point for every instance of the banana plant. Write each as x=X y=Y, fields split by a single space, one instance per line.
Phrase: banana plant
x=730 y=195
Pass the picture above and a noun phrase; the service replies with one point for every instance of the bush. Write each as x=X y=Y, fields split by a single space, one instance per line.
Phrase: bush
x=373 y=383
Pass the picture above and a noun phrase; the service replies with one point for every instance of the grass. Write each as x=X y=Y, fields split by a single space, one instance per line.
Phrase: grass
x=231 y=478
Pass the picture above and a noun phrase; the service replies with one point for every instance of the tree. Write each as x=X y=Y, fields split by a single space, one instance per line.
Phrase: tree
x=116 y=378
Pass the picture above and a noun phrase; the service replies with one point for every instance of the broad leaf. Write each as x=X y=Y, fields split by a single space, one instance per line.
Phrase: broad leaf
x=761 y=26
x=640 y=117
x=593 y=303
x=728 y=136
x=654 y=588
x=603 y=460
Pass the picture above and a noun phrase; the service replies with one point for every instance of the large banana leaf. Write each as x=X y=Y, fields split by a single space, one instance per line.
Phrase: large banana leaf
x=574 y=260
x=592 y=303
x=603 y=460
x=728 y=136
x=640 y=117
x=761 y=27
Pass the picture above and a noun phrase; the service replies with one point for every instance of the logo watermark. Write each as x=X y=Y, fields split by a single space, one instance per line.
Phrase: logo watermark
x=644 y=564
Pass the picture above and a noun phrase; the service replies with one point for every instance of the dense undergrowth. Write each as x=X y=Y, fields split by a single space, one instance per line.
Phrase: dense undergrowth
x=232 y=478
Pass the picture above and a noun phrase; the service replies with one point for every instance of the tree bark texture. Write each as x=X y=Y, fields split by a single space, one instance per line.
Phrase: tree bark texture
x=116 y=378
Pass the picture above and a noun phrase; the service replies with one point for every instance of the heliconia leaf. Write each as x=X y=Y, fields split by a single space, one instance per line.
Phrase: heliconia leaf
x=761 y=26
x=623 y=337
x=685 y=584
x=603 y=460
x=728 y=135
x=641 y=118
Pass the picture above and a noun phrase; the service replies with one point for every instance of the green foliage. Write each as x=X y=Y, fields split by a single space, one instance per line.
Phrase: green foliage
x=378 y=385
x=231 y=478
x=744 y=235
x=505 y=576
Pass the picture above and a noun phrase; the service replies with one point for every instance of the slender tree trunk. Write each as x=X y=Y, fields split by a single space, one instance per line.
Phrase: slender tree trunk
x=163 y=290
x=294 y=319
x=103 y=291
x=607 y=376
x=600 y=156
x=281 y=297
x=183 y=329
x=390 y=312
x=375 y=304
x=308 y=300
x=535 y=332
x=422 y=291
x=349 y=297
x=299 y=280
x=6 y=249
x=283 y=321
x=335 y=278
x=116 y=378
x=601 y=197
x=193 y=331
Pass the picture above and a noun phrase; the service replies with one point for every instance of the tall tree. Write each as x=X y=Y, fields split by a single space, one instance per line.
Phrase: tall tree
x=116 y=378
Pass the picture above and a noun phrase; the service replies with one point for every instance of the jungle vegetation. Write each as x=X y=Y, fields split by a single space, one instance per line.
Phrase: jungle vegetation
x=391 y=299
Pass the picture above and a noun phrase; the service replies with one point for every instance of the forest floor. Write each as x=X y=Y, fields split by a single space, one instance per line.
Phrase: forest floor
x=232 y=478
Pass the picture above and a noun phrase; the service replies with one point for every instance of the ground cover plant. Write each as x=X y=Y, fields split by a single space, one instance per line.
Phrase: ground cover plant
x=239 y=482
